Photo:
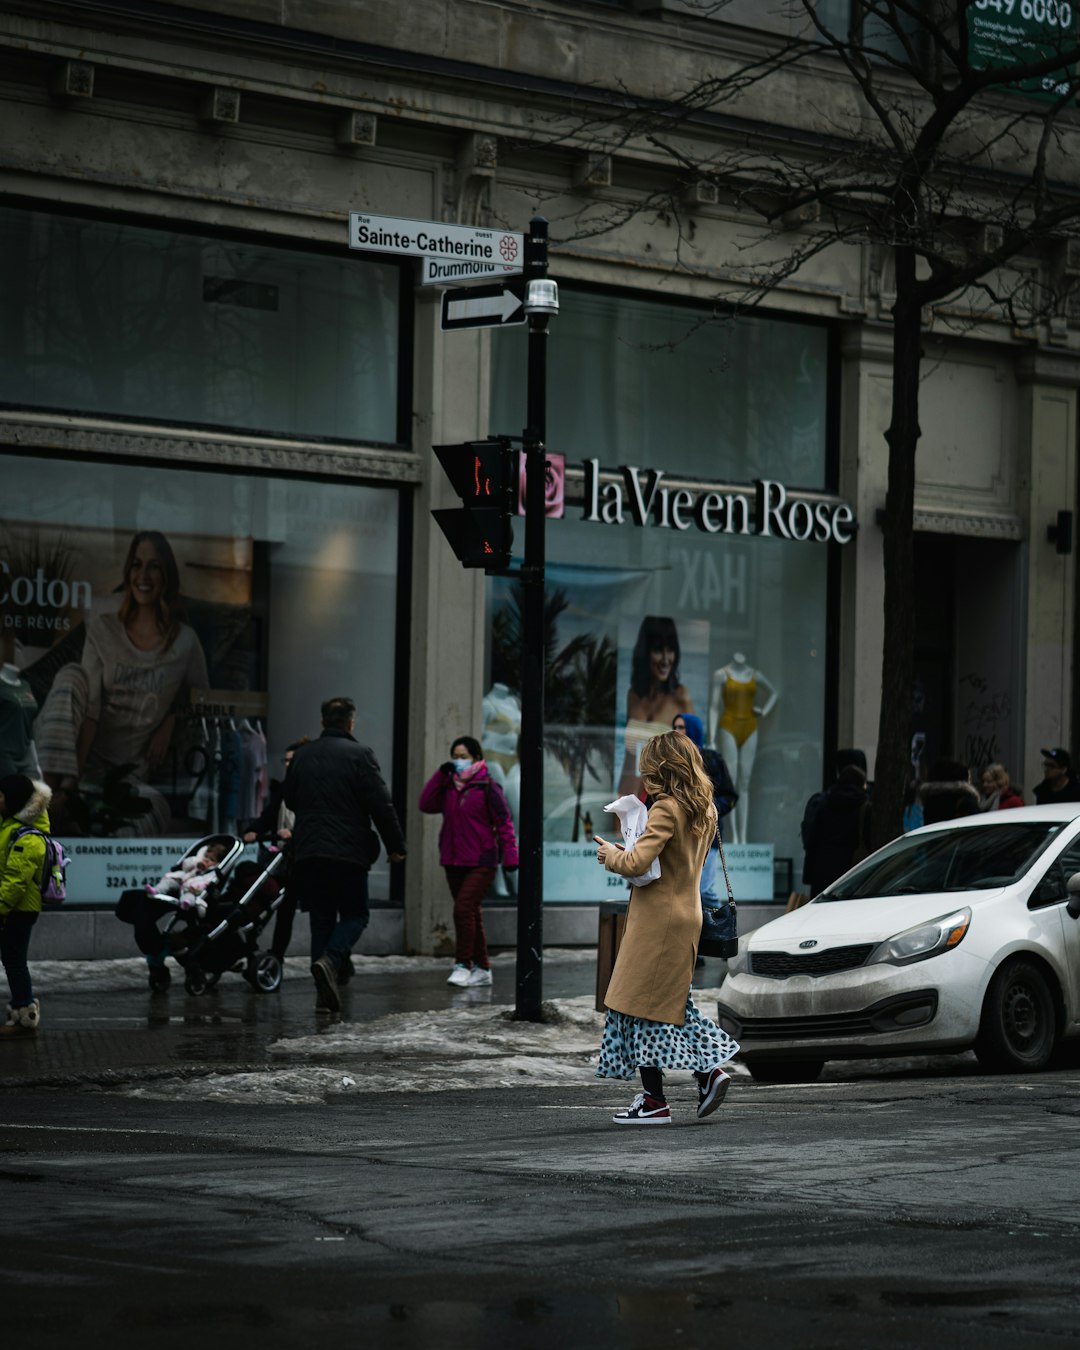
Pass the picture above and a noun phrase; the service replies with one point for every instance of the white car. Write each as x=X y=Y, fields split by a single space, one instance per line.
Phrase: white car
x=958 y=935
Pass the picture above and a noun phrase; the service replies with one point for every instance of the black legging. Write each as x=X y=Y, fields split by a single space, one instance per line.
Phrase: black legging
x=652 y=1080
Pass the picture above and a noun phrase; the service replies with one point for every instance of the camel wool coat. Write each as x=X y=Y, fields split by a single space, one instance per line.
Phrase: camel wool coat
x=655 y=966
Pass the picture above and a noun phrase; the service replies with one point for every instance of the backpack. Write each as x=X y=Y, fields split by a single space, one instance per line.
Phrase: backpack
x=53 y=882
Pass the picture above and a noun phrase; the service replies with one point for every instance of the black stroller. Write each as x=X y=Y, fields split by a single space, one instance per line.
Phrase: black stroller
x=240 y=900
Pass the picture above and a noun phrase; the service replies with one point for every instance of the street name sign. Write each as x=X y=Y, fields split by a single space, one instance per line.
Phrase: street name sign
x=497 y=306
x=434 y=239
x=462 y=271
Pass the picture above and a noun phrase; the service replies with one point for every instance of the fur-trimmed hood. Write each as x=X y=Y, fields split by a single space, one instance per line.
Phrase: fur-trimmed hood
x=947 y=800
x=36 y=806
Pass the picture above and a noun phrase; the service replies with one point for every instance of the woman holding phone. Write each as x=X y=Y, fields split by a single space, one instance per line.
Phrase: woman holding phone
x=652 y=1023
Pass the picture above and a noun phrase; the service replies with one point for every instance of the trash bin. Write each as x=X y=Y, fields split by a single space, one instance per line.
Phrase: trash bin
x=612 y=924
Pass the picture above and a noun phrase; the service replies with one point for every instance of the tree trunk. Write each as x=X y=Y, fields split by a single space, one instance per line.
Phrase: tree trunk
x=892 y=765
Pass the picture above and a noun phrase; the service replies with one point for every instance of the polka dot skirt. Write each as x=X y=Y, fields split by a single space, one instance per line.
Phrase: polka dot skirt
x=632 y=1042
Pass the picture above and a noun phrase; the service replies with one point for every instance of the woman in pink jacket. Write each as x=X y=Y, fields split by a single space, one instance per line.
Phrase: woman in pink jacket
x=476 y=837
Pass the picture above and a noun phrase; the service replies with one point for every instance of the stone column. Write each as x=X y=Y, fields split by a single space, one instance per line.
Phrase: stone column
x=866 y=352
x=448 y=654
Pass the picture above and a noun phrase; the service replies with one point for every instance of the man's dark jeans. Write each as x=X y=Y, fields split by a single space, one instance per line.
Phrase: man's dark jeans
x=335 y=895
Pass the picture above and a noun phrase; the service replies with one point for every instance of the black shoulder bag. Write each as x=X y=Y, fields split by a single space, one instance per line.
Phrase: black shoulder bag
x=720 y=923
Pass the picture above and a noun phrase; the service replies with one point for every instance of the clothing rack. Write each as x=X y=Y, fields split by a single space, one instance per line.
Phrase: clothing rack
x=230 y=702
x=216 y=722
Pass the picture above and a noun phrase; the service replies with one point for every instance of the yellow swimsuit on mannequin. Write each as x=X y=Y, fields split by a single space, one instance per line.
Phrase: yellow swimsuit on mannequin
x=738 y=717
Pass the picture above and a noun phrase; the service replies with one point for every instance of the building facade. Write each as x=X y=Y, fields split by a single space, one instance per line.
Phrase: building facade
x=194 y=363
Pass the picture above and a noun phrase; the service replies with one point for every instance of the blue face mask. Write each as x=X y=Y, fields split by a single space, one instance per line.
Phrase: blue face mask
x=460 y=765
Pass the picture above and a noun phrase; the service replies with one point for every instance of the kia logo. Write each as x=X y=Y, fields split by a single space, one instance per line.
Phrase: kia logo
x=810 y=942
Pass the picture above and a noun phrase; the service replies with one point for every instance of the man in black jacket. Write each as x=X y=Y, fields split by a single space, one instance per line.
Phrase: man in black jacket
x=1058 y=783
x=337 y=792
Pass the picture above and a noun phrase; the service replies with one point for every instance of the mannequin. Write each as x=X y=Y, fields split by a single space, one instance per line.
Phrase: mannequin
x=499 y=736
x=18 y=708
x=734 y=711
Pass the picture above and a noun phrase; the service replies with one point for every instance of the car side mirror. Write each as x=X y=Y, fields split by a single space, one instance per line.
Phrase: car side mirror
x=1073 y=887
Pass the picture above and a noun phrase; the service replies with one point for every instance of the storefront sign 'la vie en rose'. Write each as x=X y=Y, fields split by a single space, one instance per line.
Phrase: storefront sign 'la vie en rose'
x=765 y=508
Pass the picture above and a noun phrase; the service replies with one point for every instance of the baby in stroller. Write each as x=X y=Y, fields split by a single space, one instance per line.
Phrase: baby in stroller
x=192 y=878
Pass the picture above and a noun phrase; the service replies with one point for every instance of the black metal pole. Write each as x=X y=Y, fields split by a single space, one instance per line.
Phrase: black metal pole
x=530 y=931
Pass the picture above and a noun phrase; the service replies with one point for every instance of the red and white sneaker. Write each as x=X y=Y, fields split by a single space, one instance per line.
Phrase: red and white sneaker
x=712 y=1092
x=644 y=1110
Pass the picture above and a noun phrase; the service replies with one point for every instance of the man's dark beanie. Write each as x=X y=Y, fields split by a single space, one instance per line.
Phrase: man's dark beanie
x=17 y=790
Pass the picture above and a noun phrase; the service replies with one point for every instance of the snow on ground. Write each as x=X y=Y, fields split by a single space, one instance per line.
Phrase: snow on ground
x=469 y=1045
x=129 y=972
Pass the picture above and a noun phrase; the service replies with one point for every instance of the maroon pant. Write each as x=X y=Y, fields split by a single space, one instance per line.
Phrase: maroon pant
x=468 y=886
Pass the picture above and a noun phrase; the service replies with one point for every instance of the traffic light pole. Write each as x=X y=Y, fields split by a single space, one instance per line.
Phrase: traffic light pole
x=530 y=930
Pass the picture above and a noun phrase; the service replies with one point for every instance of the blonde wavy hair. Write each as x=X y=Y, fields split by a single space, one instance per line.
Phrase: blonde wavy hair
x=671 y=766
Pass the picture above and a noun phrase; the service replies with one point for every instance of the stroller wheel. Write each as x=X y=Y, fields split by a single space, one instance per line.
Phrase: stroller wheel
x=264 y=972
x=211 y=979
x=159 y=979
x=196 y=982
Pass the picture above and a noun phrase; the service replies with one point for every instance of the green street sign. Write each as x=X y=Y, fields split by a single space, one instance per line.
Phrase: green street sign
x=1009 y=33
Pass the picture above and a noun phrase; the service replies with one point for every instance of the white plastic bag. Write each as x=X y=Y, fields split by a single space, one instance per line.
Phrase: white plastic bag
x=633 y=818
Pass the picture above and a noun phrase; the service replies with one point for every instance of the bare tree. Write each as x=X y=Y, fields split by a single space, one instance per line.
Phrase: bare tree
x=944 y=142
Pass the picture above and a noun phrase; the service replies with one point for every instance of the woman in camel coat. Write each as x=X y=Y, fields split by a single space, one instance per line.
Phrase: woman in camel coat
x=652 y=1023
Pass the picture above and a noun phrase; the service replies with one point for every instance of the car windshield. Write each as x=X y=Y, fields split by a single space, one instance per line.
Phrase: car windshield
x=947 y=860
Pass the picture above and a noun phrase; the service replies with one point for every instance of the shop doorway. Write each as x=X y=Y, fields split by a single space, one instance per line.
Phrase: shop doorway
x=968 y=692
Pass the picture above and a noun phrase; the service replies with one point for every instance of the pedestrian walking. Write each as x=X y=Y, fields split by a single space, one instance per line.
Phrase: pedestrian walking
x=652 y=1023
x=948 y=794
x=336 y=792
x=724 y=795
x=844 y=759
x=24 y=818
x=998 y=792
x=1058 y=783
x=477 y=836
x=277 y=820
x=839 y=835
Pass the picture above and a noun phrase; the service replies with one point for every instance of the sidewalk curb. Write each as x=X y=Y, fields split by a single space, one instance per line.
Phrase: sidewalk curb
x=112 y=1078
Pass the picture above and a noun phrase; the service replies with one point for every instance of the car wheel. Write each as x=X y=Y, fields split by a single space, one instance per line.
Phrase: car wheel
x=784 y=1070
x=1018 y=1027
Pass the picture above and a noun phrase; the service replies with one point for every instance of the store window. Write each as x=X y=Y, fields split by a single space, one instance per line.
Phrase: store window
x=165 y=635
x=645 y=622
x=127 y=320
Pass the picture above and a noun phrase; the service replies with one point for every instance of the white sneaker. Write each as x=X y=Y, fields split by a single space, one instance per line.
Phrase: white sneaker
x=478 y=975
x=459 y=975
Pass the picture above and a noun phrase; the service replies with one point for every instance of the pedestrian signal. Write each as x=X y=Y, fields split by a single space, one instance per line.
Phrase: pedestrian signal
x=484 y=476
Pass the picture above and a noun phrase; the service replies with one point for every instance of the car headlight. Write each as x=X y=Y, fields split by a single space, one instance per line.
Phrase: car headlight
x=929 y=939
x=738 y=963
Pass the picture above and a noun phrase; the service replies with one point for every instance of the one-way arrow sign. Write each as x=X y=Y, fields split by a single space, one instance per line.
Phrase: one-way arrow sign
x=496 y=306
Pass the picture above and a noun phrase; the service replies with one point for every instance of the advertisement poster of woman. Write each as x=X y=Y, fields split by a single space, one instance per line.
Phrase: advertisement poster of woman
x=664 y=669
x=114 y=675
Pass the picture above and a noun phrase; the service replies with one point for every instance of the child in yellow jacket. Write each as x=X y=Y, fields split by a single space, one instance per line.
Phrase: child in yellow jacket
x=24 y=805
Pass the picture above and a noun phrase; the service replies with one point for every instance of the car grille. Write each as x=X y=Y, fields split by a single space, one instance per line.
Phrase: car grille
x=781 y=965
x=898 y=1013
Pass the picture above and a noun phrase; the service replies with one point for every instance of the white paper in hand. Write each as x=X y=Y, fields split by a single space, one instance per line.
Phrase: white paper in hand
x=633 y=818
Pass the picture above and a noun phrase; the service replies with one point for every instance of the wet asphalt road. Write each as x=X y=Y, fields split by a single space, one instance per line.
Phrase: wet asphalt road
x=884 y=1206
